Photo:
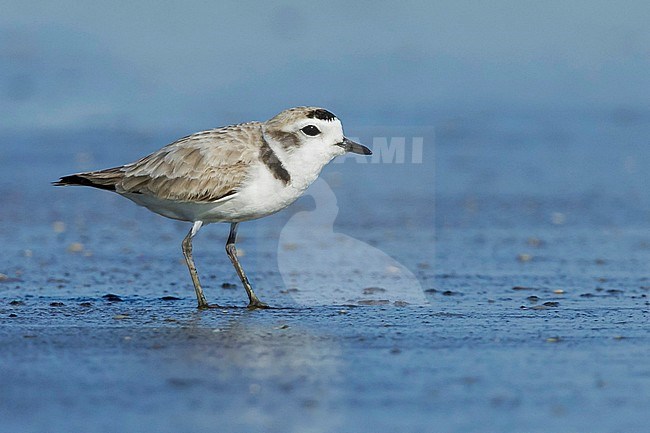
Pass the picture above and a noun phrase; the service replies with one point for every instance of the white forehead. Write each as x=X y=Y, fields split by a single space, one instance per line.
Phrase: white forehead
x=325 y=126
x=294 y=119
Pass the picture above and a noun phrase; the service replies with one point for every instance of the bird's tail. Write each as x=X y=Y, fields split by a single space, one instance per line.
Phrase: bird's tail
x=102 y=179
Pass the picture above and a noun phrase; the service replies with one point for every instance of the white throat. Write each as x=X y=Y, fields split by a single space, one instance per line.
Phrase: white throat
x=304 y=163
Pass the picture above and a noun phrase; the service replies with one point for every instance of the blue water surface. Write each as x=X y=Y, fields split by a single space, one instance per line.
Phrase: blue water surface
x=519 y=214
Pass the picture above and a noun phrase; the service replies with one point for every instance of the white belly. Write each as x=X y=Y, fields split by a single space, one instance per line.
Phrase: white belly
x=261 y=196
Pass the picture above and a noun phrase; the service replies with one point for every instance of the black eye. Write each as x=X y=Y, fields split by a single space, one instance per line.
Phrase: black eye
x=311 y=130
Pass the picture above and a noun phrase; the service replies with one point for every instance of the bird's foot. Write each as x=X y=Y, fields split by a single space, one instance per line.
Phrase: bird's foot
x=207 y=306
x=256 y=304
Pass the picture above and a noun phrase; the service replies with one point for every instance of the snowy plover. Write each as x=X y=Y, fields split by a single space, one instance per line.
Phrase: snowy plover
x=230 y=174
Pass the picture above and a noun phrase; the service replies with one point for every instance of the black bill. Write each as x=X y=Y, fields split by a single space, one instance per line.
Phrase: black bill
x=351 y=146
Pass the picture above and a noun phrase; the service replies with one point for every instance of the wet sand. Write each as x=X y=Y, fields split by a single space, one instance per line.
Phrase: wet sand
x=532 y=258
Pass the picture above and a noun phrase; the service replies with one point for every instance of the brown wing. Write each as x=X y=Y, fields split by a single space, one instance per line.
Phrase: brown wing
x=202 y=167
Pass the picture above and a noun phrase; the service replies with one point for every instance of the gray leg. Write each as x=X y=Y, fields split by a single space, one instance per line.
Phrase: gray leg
x=254 y=302
x=187 y=252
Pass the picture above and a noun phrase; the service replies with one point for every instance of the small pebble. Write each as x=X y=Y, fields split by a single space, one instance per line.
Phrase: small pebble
x=289 y=290
x=522 y=288
x=558 y=291
x=75 y=247
x=58 y=226
x=534 y=242
x=614 y=291
x=170 y=298
x=523 y=257
x=373 y=290
x=374 y=302
x=16 y=303
x=112 y=298
x=228 y=286
x=57 y=304
x=558 y=218
x=392 y=269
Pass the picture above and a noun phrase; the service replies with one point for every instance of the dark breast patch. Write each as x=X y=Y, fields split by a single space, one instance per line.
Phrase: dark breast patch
x=273 y=163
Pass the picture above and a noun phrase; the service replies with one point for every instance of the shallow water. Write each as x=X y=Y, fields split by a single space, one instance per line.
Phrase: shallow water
x=523 y=240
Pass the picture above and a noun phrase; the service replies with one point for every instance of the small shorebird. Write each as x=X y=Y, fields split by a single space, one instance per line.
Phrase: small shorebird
x=230 y=174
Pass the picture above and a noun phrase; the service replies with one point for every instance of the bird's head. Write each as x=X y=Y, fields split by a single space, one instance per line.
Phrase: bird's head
x=311 y=130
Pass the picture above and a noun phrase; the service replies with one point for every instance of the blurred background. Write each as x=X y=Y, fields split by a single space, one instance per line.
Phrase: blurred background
x=199 y=63
x=539 y=109
x=526 y=221
x=531 y=115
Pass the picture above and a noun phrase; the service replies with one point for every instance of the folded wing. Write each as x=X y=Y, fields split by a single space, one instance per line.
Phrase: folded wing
x=203 y=167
